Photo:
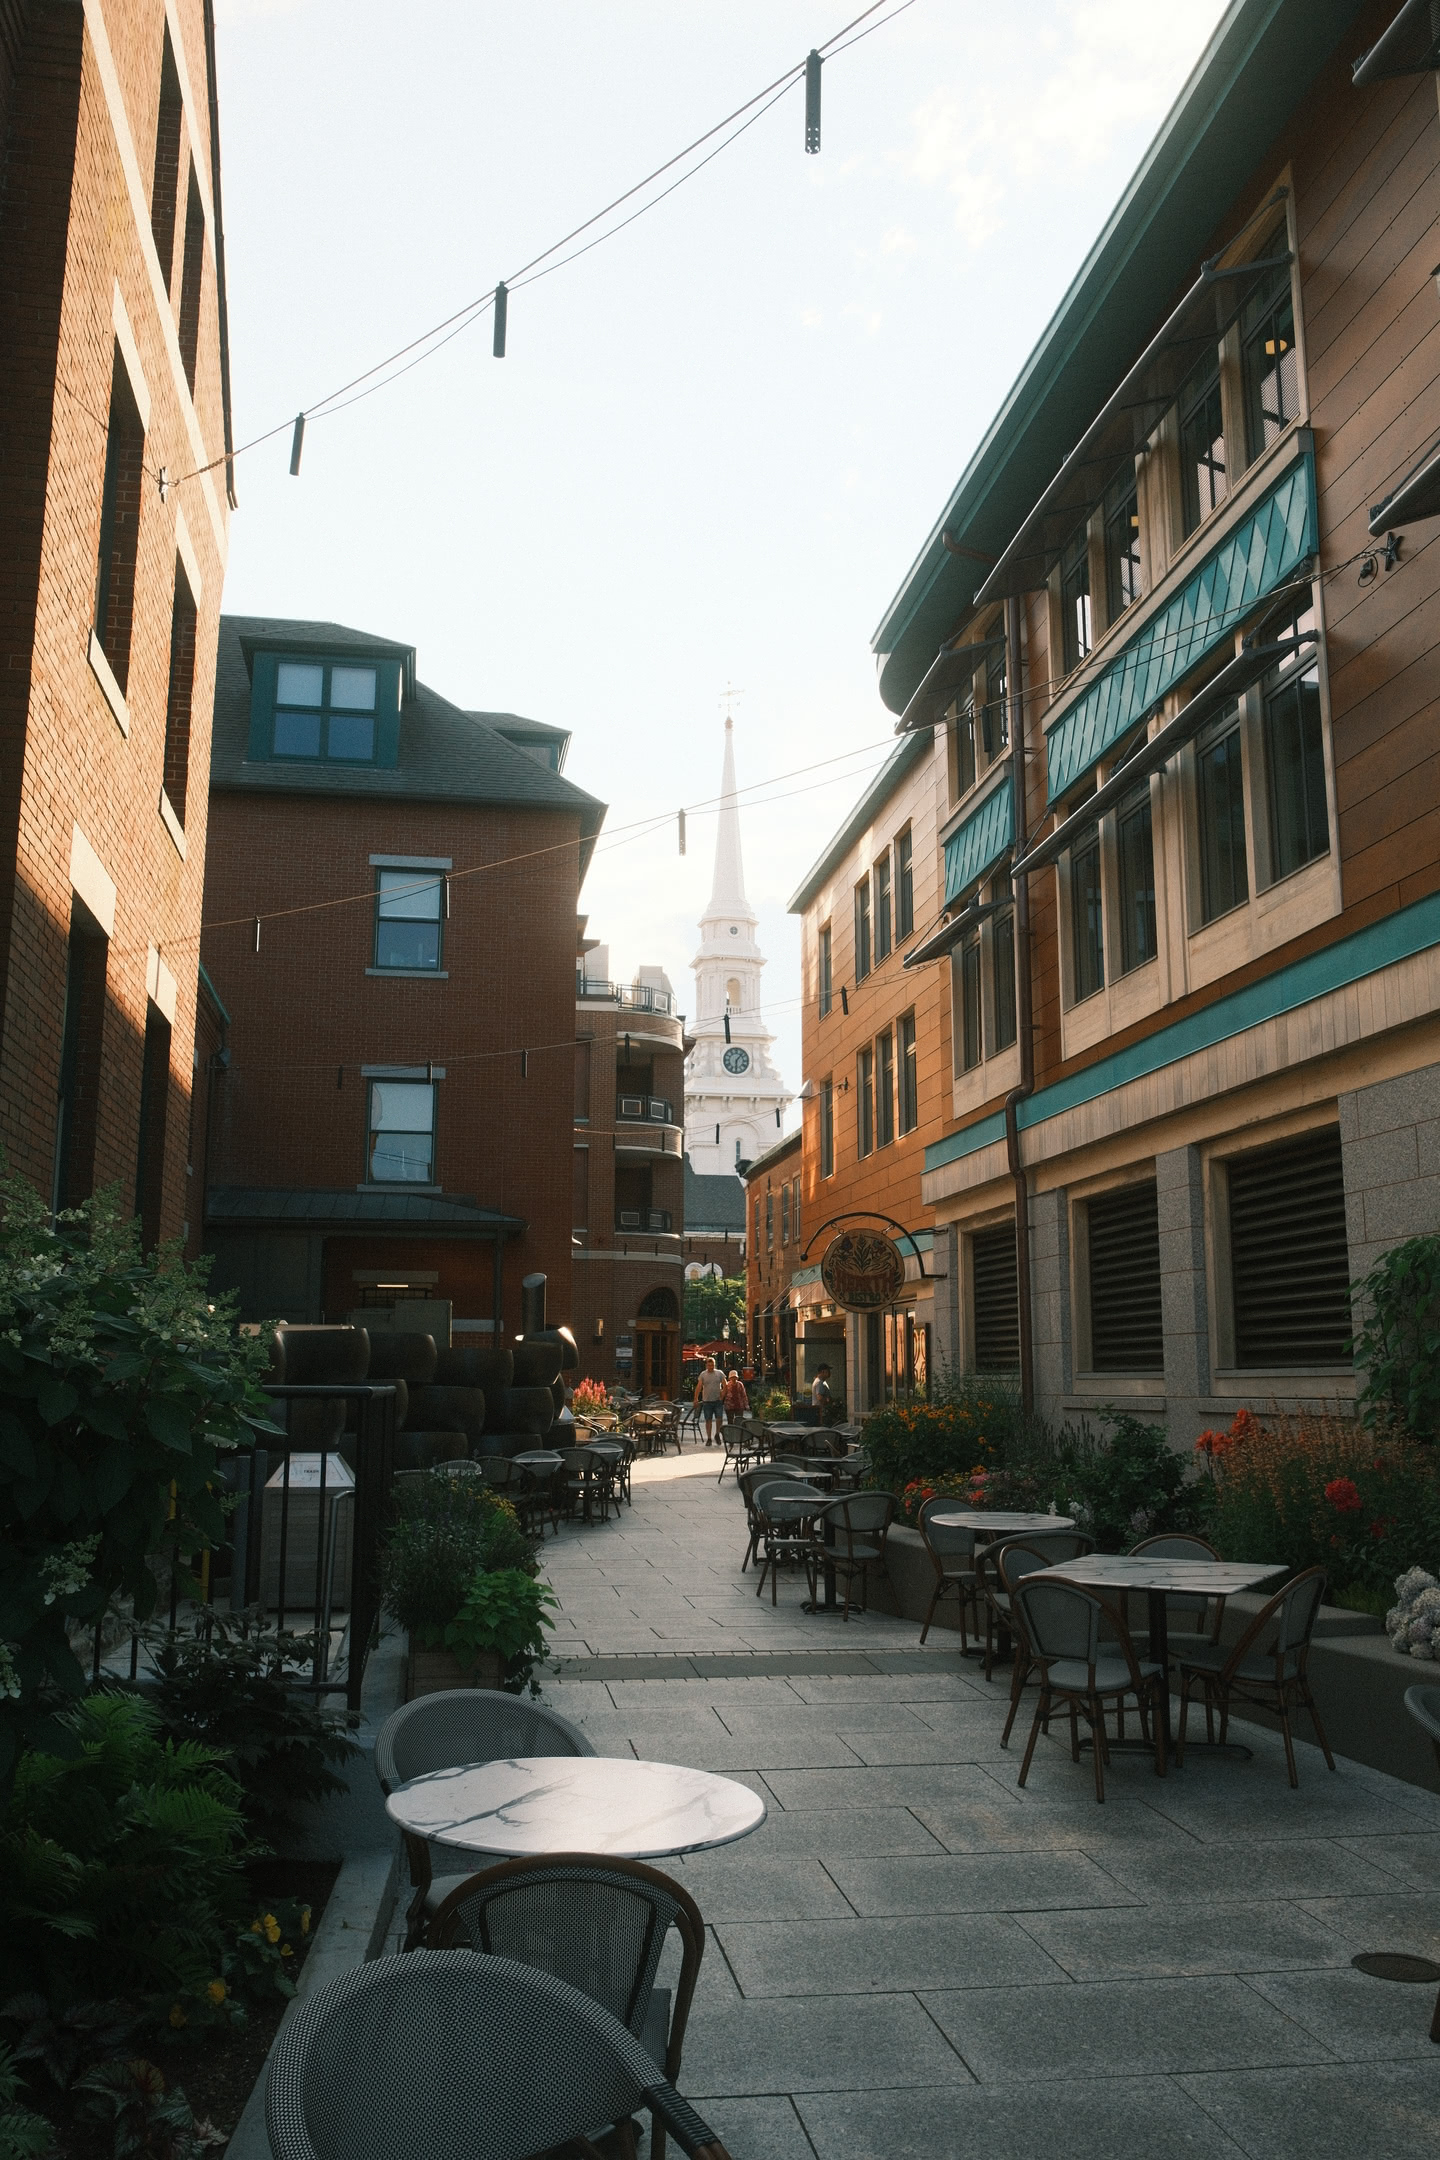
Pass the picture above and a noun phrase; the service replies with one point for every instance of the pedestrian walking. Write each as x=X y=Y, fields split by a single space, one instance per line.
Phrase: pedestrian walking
x=735 y=1399
x=709 y=1393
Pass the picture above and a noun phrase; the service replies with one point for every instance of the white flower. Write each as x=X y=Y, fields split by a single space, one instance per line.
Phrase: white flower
x=9 y=1677
x=68 y=1570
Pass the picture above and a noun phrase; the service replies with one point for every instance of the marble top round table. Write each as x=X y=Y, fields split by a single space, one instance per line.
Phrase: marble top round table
x=538 y=1459
x=996 y=1522
x=535 y=1804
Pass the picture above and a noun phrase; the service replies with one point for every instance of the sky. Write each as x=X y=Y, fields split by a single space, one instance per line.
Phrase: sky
x=717 y=441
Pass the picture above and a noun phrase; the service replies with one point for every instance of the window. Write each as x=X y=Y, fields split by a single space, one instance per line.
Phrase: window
x=1087 y=935
x=1220 y=797
x=904 y=886
x=1295 y=765
x=179 y=693
x=784 y=1214
x=997 y=702
x=324 y=708
x=408 y=909
x=82 y=1042
x=165 y=184
x=826 y=984
x=795 y=1209
x=1075 y=599
x=582 y=1079
x=769 y=1220
x=1135 y=870
x=1270 y=363
x=827 y=1128
x=865 y=1101
x=882 y=909
x=1202 y=444
x=862 y=930
x=885 y=1090
x=965 y=1000
x=1289 y=1259
x=757 y=1223
x=995 y=1299
x=1122 y=543
x=1123 y=1238
x=119 y=524
x=402 y=1132
x=909 y=1076
x=960 y=722
x=1002 y=968
x=192 y=270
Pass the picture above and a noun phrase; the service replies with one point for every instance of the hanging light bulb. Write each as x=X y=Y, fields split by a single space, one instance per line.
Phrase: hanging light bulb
x=812 y=104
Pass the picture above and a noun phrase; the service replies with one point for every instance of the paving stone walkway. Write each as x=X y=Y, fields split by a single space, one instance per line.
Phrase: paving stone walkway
x=913 y=1958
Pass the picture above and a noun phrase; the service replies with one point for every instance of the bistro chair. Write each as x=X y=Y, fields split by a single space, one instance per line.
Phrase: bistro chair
x=748 y=1481
x=1180 y=1545
x=860 y=1527
x=784 y=1529
x=1014 y=1560
x=951 y=1554
x=599 y=1923
x=586 y=1478
x=1053 y=1545
x=1062 y=1629
x=1268 y=1666
x=441 y=1731
x=741 y=1447
x=1423 y=1704
x=452 y=2054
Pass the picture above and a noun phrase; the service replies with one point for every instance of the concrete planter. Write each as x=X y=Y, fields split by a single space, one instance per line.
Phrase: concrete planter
x=430 y=1672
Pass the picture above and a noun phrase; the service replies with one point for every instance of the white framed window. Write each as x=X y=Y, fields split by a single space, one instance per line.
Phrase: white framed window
x=401 y=1143
x=409 y=918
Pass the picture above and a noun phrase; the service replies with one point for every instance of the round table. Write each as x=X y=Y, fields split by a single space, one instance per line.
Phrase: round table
x=576 y=1803
x=997 y=1523
x=538 y=1459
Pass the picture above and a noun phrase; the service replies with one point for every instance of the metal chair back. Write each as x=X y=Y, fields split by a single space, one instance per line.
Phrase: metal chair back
x=941 y=1542
x=1182 y=1545
x=469 y=1725
x=862 y=1517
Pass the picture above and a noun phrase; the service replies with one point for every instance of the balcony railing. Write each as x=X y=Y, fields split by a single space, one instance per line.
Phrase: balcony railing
x=644 y=1110
x=636 y=997
x=635 y=1218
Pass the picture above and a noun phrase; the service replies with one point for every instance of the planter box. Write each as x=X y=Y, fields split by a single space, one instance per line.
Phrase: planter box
x=430 y=1672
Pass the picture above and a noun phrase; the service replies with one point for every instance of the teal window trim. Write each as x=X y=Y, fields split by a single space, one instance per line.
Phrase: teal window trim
x=1264 y=549
x=388 y=692
x=1365 y=952
x=980 y=842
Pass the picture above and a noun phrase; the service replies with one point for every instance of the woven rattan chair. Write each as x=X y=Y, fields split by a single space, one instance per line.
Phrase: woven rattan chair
x=860 y=1527
x=1206 y=1613
x=952 y=1555
x=450 y=2056
x=995 y=1598
x=785 y=1509
x=748 y=1480
x=587 y=1481
x=1065 y=1630
x=599 y=1923
x=460 y=1725
x=1269 y=1667
x=1014 y=1560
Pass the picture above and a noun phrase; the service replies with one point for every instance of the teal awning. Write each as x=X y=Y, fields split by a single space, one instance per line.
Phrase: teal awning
x=980 y=841
x=1258 y=555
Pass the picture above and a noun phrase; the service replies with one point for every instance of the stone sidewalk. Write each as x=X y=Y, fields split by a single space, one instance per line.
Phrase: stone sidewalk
x=913 y=1958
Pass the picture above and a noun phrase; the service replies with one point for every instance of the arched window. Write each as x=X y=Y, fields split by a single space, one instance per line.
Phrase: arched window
x=732 y=994
x=659 y=1305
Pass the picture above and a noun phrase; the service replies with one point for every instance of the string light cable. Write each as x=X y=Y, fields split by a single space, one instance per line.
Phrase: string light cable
x=431 y=341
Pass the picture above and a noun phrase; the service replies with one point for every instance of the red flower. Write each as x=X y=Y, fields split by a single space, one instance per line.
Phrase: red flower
x=1344 y=1496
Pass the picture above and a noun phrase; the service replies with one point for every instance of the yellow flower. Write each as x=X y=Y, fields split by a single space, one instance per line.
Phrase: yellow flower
x=217 y=1991
x=177 y=2016
x=255 y=1928
x=272 y=1932
x=305 y=1919
x=286 y=1951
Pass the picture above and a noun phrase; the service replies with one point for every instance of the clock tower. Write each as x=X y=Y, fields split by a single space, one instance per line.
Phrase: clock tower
x=735 y=1101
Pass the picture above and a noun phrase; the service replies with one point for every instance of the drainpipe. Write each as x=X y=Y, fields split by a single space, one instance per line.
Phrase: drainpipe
x=1023 y=1023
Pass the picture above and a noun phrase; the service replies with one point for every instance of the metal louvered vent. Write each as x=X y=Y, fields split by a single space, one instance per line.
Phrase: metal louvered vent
x=997 y=1300
x=1289 y=1260
x=1127 y=1334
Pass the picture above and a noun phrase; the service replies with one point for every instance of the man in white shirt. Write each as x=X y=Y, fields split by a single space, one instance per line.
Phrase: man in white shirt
x=820 y=1391
x=709 y=1389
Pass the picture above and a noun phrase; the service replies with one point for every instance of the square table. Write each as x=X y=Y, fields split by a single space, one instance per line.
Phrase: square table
x=1159 y=1577
x=528 y=1805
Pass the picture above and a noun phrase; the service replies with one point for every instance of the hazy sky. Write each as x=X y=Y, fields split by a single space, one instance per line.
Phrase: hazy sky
x=719 y=440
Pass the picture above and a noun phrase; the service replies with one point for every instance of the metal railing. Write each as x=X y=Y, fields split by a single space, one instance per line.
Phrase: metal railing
x=644 y=1110
x=636 y=997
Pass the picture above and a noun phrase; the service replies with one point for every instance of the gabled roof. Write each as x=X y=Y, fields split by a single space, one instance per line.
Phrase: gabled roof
x=773 y=1155
x=713 y=1203
x=1259 y=64
x=445 y=754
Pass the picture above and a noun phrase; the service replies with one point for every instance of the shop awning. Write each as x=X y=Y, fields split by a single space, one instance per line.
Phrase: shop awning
x=1259 y=555
x=976 y=845
x=1411 y=46
x=952 y=669
x=1418 y=496
x=1126 y=422
x=1222 y=690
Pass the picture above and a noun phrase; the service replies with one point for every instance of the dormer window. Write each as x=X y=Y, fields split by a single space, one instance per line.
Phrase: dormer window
x=324 y=709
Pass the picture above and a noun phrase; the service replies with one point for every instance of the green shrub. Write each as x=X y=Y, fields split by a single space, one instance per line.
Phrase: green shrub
x=1126 y=1484
x=1398 y=1348
x=120 y=1384
x=23 y=2135
x=447 y=1530
x=970 y=1422
x=228 y=1682
x=504 y=1611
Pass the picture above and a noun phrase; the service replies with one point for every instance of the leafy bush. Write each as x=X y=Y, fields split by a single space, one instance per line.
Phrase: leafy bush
x=1398 y=1348
x=1323 y=1491
x=1011 y=1490
x=146 y=2116
x=1127 y=1484
x=23 y=2135
x=121 y=1863
x=120 y=1383
x=504 y=1611
x=447 y=1531
x=229 y=1683
x=770 y=1402
x=966 y=1426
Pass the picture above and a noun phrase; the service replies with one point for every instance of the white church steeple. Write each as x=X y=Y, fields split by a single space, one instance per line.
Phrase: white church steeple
x=735 y=1101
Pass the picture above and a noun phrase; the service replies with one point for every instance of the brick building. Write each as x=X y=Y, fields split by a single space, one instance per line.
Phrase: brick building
x=390 y=1116
x=1178 y=686
x=628 y=1213
x=773 y=1263
x=114 y=508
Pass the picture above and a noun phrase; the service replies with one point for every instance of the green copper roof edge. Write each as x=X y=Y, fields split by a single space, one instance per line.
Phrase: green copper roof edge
x=906 y=754
x=1379 y=945
x=991 y=827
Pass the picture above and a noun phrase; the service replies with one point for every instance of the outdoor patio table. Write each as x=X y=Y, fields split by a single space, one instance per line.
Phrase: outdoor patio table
x=538 y=1459
x=585 y=1803
x=996 y=1524
x=1159 y=1578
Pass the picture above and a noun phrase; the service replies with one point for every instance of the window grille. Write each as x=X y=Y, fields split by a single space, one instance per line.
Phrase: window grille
x=1289 y=1257
x=1126 y=1331
x=996 y=1299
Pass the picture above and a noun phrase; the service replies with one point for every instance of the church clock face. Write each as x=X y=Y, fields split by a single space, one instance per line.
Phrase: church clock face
x=737 y=1061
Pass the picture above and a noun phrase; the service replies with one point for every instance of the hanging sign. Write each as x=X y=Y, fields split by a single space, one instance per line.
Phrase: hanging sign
x=863 y=1270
